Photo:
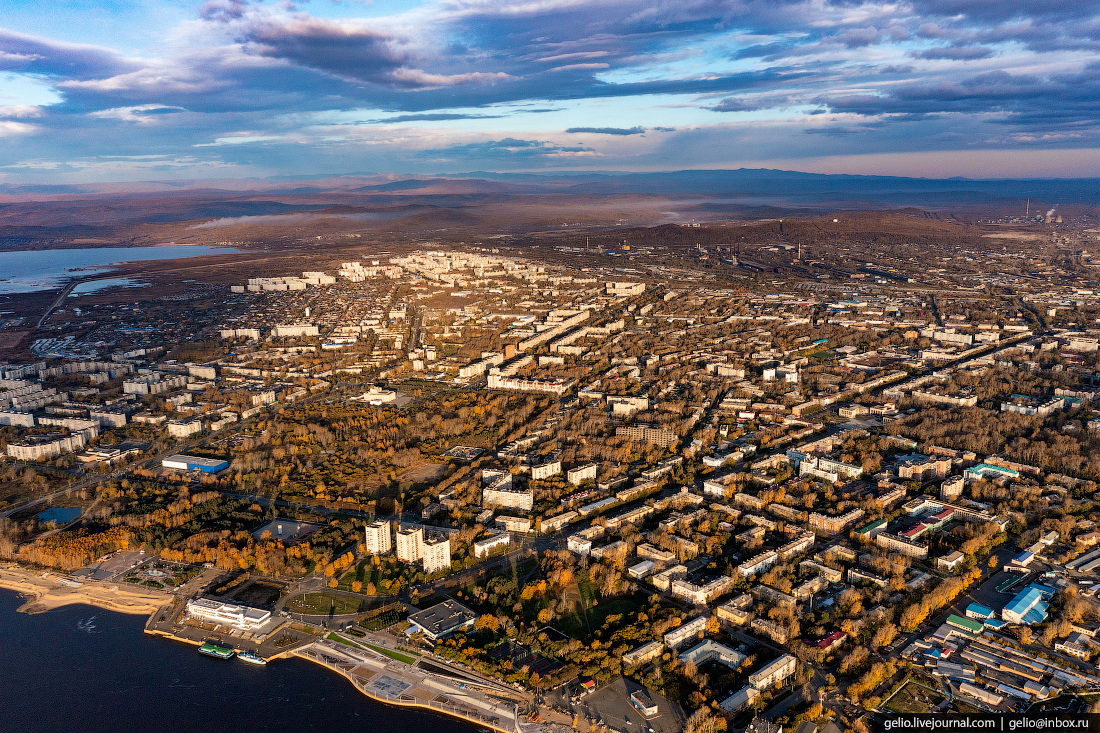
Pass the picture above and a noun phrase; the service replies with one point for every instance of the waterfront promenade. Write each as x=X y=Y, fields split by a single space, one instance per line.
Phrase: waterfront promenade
x=449 y=691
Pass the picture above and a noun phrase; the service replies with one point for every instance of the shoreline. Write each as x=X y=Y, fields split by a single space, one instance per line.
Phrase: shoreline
x=46 y=591
x=411 y=703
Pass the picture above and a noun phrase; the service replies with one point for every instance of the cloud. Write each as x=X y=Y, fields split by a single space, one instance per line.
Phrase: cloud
x=956 y=54
x=947 y=72
x=346 y=50
x=10 y=128
x=143 y=114
x=20 y=110
x=607 y=130
x=508 y=148
x=435 y=117
x=748 y=104
x=35 y=55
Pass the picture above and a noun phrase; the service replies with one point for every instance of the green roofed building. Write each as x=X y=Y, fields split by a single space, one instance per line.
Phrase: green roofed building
x=965 y=624
x=871 y=530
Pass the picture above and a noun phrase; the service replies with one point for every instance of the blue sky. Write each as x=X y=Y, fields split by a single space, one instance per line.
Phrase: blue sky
x=153 y=90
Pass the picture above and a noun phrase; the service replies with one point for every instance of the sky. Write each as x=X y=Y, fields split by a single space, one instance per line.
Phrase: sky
x=121 y=90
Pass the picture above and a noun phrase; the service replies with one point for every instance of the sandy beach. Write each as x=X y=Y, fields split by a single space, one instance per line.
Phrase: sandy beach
x=46 y=593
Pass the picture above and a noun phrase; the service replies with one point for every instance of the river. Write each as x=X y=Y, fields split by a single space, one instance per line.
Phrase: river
x=79 y=668
x=27 y=271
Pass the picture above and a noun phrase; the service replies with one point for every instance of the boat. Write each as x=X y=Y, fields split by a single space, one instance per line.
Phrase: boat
x=251 y=658
x=216 y=650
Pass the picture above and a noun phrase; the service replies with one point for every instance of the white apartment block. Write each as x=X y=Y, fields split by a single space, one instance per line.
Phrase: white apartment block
x=624 y=289
x=379 y=539
x=691 y=630
x=293 y=330
x=758 y=564
x=410 y=541
x=773 y=673
x=545 y=470
x=46 y=449
x=436 y=551
x=498 y=491
x=580 y=474
x=486 y=545
x=183 y=428
x=701 y=595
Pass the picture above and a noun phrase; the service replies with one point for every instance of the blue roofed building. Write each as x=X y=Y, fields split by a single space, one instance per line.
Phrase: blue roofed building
x=1029 y=606
x=978 y=612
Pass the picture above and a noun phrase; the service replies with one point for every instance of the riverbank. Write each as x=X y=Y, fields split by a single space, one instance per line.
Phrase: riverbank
x=45 y=591
x=395 y=683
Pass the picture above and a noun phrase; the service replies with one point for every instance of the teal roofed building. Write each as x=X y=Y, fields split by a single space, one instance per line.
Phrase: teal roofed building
x=985 y=470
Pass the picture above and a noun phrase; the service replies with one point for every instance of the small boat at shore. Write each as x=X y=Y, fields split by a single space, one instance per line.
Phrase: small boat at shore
x=216 y=650
x=251 y=658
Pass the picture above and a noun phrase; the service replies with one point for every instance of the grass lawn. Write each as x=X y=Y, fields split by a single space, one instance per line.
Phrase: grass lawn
x=341 y=640
x=914 y=698
x=324 y=603
x=576 y=626
x=392 y=654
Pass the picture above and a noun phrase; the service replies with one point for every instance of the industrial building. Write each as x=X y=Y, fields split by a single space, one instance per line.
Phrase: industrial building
x=195 y=463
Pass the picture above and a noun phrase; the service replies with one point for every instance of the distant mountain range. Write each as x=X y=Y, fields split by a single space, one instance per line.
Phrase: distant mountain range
x=702 y=194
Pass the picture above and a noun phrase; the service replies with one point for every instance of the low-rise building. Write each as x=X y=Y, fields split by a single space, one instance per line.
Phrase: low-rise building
x=686 y=632
x=486 y=545
x=772 y=674
x=770 y=629
x=757 y=564
x=645 y=653
x=211 y=611
x=442 y=620
x=701 y=595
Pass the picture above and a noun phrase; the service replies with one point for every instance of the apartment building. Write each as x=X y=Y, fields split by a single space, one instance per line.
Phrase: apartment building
x=757 y=564
x=770 y=629
x=436 y=553
x=378 y=538
x=410 y=541
x=772 y=674
x=897 y=543
x=580 y=474
x=545 y=470
x=686 y=632
x=657 y=436
x=701 y=595
x=834 y=525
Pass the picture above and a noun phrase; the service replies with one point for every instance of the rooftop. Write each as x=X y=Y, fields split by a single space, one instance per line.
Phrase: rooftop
x=443 y=618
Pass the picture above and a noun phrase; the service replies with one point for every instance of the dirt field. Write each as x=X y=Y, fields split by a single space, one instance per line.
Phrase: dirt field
x=424 y=473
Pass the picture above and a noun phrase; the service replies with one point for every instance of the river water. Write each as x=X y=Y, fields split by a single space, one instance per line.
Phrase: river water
x=81 y=669
x=26 y=271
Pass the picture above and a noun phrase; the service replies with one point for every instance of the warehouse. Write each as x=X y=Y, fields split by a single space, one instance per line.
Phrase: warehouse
x=195 y=463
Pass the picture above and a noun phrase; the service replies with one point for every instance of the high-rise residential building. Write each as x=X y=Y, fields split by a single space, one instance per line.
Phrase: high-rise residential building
x=378 y=537
x=436 y=553
x=410 y=543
